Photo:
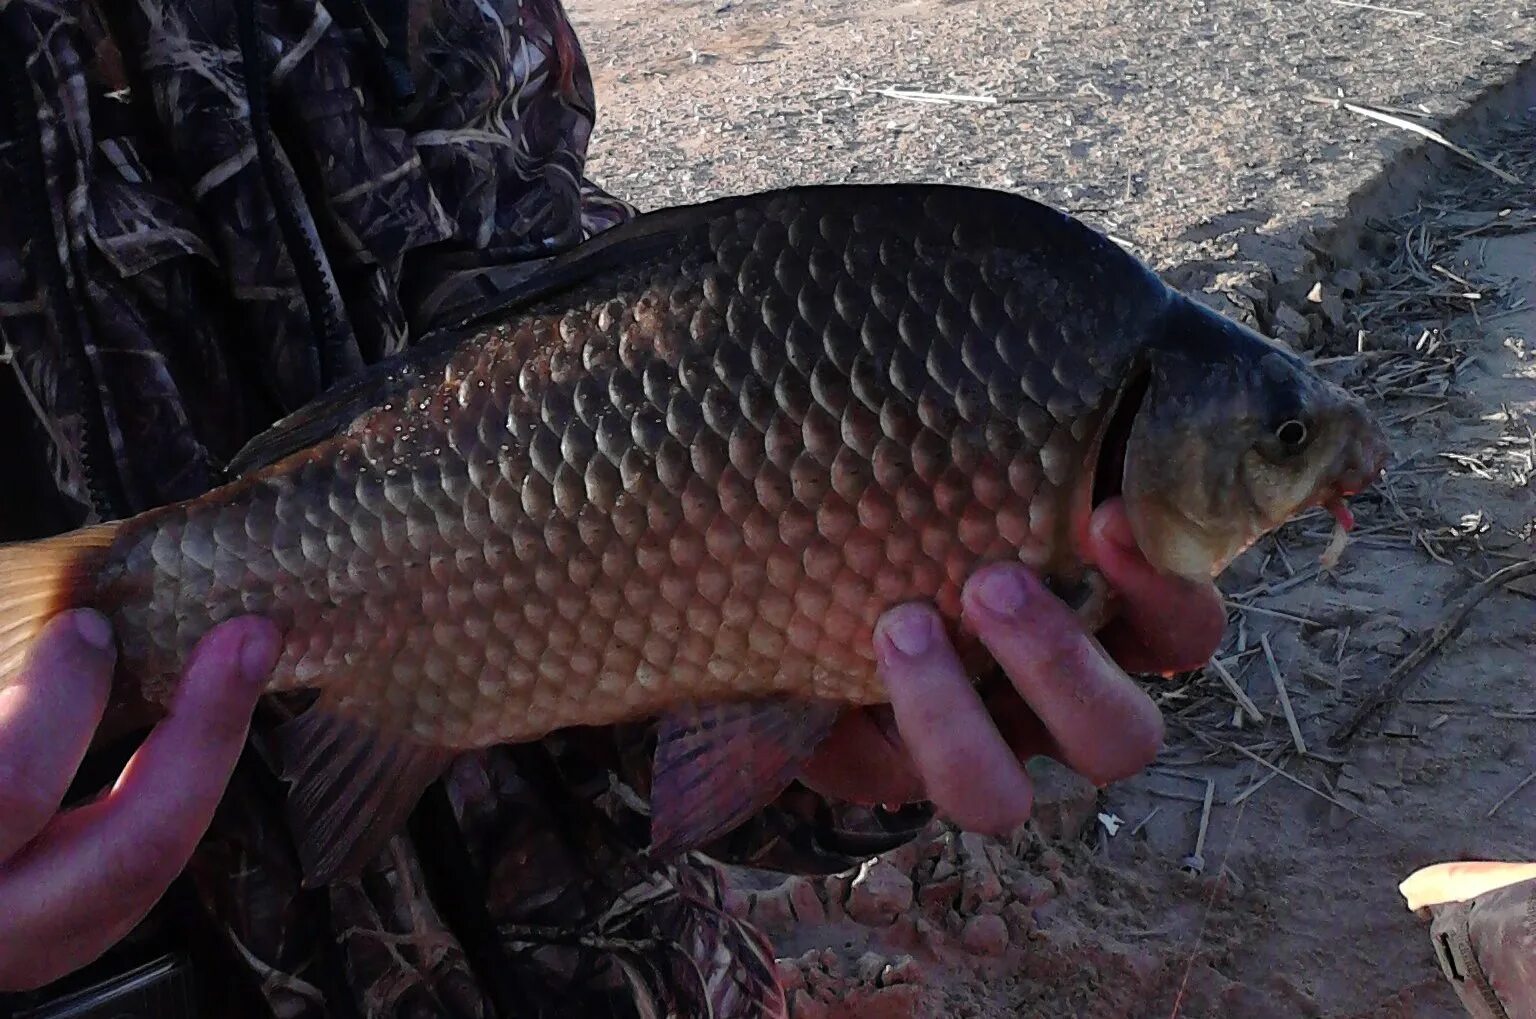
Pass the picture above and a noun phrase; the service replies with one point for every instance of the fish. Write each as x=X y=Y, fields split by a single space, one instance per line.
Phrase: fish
x=678 y=473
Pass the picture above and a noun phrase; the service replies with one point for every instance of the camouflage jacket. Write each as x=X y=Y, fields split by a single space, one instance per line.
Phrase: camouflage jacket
x=215 y=209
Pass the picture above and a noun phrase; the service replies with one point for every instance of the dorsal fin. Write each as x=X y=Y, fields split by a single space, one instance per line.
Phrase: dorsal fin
x=331 y=413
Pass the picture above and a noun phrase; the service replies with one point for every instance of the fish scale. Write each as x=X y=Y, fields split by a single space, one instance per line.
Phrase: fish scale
x=691 y=465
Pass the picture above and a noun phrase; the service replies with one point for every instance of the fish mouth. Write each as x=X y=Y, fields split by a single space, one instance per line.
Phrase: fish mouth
x=1362 y=469
x=1115 y=438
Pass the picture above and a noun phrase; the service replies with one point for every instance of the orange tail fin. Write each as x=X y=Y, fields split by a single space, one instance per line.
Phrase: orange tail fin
x=40 y=579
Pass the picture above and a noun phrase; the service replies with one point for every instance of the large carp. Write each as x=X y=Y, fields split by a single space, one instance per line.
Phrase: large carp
x=681 y=472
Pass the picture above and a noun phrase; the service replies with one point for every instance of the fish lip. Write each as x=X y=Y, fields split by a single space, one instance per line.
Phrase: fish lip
x=1357 y=469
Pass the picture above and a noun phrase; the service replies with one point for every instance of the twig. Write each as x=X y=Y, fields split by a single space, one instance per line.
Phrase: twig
x=1309 y=788
x=1143 y=822
x=1422 y=131
x=1245 y=703
x=1195 y=862
x=1392 y=688
x=1527 y=780
x=1274 y=613
x=1378 y=7
x=915 y=95
x=1285 y=695
x=1253 y=788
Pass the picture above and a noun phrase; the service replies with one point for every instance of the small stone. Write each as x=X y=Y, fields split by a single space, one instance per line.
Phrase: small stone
x=1020 y=920
x=836 y=895
x=941 y=894
x=981 y=881
x=1032 y=889
x=1291 y=325
x=803 y=1006
x=804 y=901
x=878 y=894
x=1051 y=862
x=1333 y=309
x=791 y=977
x=904 y=857
x=770 y=909
x=985 y=935
x=902 y=931
x=868 y=968
x=902 y=970
x=981 y=886
x=1348 y=281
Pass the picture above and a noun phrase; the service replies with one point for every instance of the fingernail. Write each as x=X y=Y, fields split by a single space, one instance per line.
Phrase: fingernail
x=258 y=654
x=94 y=629
x=1000 y=592
x=909 y=629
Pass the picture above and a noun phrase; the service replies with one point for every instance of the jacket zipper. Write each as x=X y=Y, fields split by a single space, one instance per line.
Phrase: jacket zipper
x=306 y=260
x=97 y=464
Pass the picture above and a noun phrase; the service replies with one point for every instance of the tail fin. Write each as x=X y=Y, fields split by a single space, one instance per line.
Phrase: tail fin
x=40 y=579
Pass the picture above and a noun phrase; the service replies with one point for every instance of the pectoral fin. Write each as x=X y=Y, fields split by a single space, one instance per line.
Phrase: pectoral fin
x=353 y=787
x=717 y=765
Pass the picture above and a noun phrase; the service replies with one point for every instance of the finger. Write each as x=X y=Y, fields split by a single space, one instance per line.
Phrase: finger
x=1022 y=729
x=966 y=767
x=1106 y=726
x=96 y=871
x=1168 y=624
x=864 y=761
x=1461 y=882
x=47 y=717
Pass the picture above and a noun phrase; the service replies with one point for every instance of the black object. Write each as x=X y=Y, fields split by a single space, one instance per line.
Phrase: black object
x=160 y=989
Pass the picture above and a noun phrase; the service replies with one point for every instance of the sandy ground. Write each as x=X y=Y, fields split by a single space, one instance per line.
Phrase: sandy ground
x=1187 y=133
x=1183 y=127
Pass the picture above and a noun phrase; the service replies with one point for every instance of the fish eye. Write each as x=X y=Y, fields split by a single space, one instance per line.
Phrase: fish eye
x=1292 y=433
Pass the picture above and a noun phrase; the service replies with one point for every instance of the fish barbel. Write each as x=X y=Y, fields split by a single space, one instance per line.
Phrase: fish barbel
x=681 y=472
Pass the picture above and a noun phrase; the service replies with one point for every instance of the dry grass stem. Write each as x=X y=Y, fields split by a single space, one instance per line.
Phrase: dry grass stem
x=1244 y=702
x=1527 y=780
x=1391 y=689
x=1305 y=785
x=1419 y=129
x=1285 y=695
x=1378 y=7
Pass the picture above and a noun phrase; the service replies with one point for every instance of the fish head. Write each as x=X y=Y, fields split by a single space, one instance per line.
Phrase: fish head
x=1229 y=436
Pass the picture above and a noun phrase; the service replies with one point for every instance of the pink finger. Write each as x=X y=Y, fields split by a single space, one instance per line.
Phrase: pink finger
x=1107 y=728
x=969 y=772
x=47 y=717
x=94 y=872
x=1167 y=624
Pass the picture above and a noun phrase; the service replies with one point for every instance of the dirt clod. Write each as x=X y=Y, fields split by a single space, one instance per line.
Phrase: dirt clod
x=985 y=934
x=878 y=894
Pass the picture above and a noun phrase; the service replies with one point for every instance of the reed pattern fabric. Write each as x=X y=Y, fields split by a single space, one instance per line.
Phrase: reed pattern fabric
x=217 y=209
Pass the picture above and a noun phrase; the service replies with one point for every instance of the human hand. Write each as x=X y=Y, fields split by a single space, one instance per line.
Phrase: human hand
x=1070 y=696
x=73 y=884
